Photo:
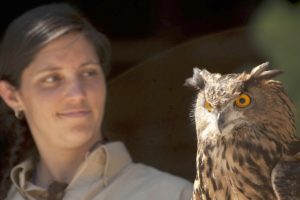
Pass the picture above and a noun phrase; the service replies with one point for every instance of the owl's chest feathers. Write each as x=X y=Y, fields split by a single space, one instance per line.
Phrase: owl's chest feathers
x=236 y=169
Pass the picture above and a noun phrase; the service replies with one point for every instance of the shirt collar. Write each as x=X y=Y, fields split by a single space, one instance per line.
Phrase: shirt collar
x=104 y=162
x=117 y=159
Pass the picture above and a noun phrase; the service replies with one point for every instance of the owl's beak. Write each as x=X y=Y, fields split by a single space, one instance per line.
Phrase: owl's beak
x=221 y=121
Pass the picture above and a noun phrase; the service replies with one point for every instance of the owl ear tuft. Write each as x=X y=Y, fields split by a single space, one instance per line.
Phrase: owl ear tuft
x=196 y=81
x=261 y=73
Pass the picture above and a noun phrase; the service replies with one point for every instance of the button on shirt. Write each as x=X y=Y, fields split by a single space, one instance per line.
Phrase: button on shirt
x=107 y=173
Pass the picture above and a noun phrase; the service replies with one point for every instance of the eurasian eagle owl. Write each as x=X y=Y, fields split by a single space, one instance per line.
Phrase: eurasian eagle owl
x=247 y=147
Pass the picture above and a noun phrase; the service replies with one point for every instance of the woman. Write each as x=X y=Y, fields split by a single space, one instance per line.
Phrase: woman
x=52 y=84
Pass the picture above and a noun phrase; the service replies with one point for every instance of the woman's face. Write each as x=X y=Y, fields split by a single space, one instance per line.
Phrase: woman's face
x=63 y=93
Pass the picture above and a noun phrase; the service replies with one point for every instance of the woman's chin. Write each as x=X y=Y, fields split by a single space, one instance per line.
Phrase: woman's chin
x=81 y=138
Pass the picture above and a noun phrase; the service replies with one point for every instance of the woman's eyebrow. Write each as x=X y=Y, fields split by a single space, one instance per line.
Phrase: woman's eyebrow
x=50 y=68
x=89 y=63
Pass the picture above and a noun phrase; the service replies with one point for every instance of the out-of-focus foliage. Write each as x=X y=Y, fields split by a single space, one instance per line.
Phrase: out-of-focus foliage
x=275 y=29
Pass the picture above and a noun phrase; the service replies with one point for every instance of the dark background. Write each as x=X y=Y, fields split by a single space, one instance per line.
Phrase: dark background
x=139 y=29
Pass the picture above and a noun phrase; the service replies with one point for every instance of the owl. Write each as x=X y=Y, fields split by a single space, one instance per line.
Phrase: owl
x=246 y=142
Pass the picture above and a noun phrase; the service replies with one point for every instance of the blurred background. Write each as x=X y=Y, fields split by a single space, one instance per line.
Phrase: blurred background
x=156 y=43
x=139 y=29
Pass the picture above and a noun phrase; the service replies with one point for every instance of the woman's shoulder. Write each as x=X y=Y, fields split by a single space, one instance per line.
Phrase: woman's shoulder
x=141 y=179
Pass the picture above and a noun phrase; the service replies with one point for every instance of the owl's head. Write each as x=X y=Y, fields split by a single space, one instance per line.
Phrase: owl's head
x=229 y=103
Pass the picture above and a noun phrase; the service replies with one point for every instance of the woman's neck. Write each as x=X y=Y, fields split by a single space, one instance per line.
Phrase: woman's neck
x=59 y=166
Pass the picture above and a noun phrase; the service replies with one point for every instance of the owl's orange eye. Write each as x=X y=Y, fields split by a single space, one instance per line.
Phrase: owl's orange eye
x=243 y=101
x=208 y=106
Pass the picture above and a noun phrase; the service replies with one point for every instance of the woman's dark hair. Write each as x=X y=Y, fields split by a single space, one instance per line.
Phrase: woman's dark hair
x=23 y=39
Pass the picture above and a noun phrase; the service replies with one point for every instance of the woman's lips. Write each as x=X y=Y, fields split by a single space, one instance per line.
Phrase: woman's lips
x=74 y=113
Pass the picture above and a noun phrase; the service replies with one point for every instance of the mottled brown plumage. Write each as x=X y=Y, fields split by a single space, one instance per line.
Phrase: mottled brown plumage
x=247 y=147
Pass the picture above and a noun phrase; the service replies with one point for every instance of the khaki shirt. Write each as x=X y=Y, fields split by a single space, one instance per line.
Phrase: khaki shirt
x=107 y=173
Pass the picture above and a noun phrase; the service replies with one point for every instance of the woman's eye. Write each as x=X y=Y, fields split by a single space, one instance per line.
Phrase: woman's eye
x=52 y=79
x=90 y=73
x=243 y=101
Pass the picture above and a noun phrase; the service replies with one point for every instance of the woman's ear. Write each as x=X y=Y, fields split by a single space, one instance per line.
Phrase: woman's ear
x=10 y=95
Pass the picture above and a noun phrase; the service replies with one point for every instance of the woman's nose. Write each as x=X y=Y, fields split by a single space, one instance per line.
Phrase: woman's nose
x=75 y=89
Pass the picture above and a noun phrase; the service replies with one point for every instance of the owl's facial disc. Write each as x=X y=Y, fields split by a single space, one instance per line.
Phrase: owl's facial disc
x=231 y=115
x=227 y=120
